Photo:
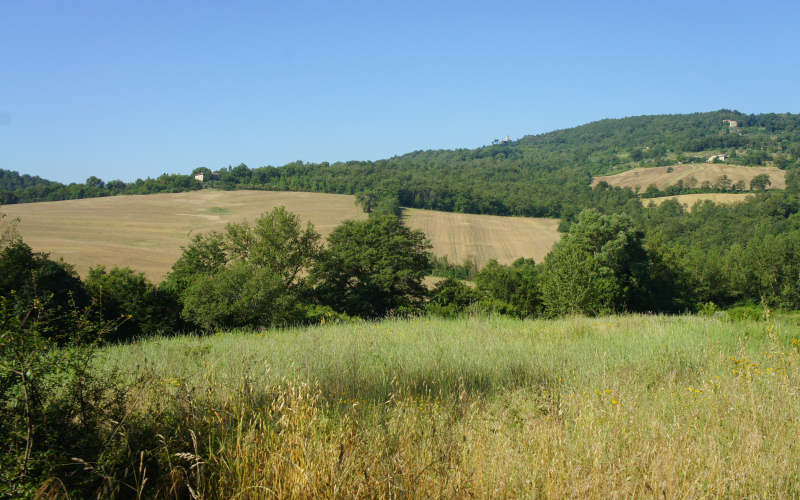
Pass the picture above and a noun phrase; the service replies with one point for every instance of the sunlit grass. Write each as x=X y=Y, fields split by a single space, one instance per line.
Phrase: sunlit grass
x=619 y=406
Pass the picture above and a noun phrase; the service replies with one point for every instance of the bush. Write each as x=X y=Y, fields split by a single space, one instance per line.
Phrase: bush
x=443 y=268
x=515 y=285
x=242 y=294
x=747 y=313
x=27 y=277
x=450 y=297
x=52 y=407
x=707 y=309
x=123 y=293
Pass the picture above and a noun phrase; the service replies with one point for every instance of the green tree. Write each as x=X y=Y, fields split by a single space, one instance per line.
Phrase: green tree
x=599 y=266
x=367 y=200
x=451 y=297
x=515 y=285
x=374 y=267
x=723 y=183
x=248 y=275
x=27 y=276
x=760 y=182
x=95 y=182
x=122 y=293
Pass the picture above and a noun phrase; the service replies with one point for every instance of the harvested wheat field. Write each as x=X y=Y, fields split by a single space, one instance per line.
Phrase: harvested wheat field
x=146 y=232
x=643 y=177
x=689 y=200
x=484 y=237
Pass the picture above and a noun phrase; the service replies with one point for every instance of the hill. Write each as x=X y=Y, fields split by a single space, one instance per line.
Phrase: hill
x=146 y=232
x=544 y=175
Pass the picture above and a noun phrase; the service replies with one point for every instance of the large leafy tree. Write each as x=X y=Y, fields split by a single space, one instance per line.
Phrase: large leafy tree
x=247 y=275
x=373 y=267
x=599 y=266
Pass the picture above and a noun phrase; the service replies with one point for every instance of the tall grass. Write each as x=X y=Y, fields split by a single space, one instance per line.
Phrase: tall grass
x=640 y=406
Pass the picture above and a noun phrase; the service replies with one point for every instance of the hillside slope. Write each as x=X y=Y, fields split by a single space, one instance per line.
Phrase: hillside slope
x=695 y=174
x=482 y=237
x=147 y=232
x=544 y=175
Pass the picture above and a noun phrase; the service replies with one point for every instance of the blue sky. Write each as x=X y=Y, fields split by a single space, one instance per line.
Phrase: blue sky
x=135 y=89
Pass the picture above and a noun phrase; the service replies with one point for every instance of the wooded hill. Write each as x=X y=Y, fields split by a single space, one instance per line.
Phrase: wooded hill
x=545 y=175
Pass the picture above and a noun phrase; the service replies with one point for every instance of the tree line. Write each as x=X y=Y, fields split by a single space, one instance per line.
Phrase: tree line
x=278 y=272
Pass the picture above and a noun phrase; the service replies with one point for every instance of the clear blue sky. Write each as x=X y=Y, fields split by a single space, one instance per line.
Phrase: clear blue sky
x=135 y=89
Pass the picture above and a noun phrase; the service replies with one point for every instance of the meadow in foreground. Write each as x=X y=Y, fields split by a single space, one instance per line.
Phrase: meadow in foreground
x=621 y=406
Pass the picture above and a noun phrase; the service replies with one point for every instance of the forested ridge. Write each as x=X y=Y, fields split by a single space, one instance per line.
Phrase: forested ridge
x=545 y=175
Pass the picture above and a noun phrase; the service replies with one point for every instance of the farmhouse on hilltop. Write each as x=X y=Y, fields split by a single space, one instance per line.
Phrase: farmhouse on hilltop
x=712 y=159
x=206 y=176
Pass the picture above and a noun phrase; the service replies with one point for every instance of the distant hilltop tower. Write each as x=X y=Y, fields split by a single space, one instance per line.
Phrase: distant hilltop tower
x=731 y=123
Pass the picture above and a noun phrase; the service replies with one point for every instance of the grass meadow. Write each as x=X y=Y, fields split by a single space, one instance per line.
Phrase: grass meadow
x=612 y=407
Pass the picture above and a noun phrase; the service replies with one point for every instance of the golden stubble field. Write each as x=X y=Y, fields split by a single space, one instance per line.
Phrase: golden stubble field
x=643 y=177
x=146 y=232
x=689 y=200
x=484 y=237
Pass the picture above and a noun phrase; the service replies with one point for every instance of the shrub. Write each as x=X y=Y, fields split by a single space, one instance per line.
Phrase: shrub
x=52 y=407
x=122 y=292
x=707 y=309
x=241 y=294
x=450 y=298
x=747 y=313
x=27 y=276
x=515 y=285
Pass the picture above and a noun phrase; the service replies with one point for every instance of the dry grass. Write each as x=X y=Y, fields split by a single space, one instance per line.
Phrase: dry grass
x=689 y=200
x=146 y=232
x=643 y=177
x=484 y=237
x=616 y=407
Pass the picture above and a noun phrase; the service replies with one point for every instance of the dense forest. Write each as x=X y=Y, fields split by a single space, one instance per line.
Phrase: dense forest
x=545 y=175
